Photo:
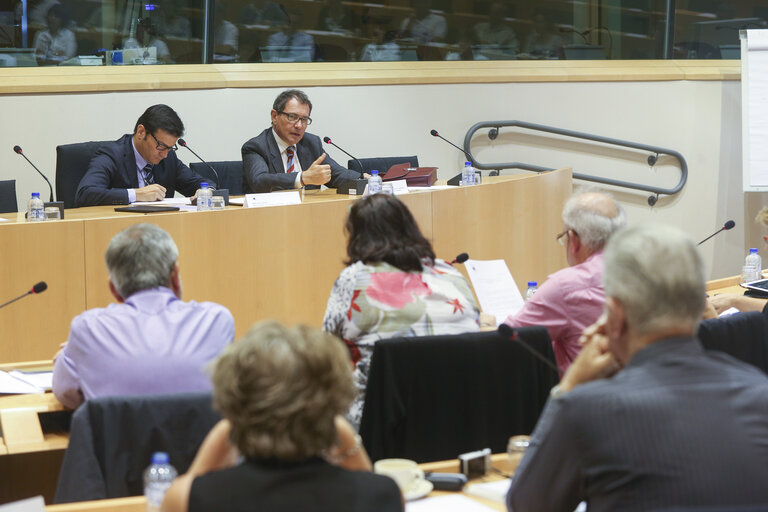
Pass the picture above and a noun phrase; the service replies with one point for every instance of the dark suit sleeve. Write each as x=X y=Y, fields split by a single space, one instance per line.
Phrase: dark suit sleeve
x=95 y=187
x=187 y=180
x=257 y=175
x=549 y=476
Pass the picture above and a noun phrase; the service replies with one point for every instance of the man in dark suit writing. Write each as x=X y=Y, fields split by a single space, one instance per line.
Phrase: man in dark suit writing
x=141 y=166
x=284 y=157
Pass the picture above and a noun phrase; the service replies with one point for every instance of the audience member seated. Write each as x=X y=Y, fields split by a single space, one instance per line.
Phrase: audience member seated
x=283 y=156
x=423 y=26
x=393 y=286
x=150 y=341
x=645 y=418
x=384 y=47
x=290 y=43
x=142 y=166
x=281 y=392
x=572 y=298
x=495 y=33
x=147 y=37
x=174 y=24
x=719 y=303
x=56 y=43
x=544 y=41
x=225 y=37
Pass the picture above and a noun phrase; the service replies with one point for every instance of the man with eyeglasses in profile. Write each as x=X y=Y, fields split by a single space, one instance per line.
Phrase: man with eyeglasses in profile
x=284 y=156
x=572 y=298
x=141 y=166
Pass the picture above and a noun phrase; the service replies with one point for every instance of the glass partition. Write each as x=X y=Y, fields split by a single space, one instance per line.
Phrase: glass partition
x=129 y=32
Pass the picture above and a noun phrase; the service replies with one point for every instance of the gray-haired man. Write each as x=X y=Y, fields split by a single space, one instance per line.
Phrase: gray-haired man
x=150 y=341
x=572 y=298
x=677 y=428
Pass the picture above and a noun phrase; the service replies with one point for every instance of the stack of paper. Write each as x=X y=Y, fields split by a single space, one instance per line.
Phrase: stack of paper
x=448 y=503
x=20 y=383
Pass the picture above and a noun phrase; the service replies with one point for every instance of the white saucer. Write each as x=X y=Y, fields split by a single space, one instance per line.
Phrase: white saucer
x=419 y=490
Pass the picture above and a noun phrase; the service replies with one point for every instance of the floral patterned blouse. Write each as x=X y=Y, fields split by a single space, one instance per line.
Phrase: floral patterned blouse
x=370 y=302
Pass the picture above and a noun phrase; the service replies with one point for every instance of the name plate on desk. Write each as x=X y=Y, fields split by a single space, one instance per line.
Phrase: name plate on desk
x=272 y=199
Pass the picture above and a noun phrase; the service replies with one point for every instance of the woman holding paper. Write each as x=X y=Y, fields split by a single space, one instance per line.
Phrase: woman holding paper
x=392 y=287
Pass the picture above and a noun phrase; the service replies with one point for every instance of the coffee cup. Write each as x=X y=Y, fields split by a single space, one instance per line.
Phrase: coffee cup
x=406 y=473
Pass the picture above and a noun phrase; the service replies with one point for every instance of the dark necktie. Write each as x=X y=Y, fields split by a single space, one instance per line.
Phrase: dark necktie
x=147 y=174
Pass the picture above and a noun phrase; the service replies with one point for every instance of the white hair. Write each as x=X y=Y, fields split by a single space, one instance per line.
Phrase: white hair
x=140 y=257
x=585 y=213
x=656 y=272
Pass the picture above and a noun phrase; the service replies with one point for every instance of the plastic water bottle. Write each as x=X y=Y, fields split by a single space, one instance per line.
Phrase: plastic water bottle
x=532 y=287
x=374 y=183
x=158 y=477
x=204 y=196
x=35 y=208
x=756 y=262
x=467 y=175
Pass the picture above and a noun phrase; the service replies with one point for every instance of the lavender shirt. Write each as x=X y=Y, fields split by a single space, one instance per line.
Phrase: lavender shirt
x=152 y=343
x=569 y=301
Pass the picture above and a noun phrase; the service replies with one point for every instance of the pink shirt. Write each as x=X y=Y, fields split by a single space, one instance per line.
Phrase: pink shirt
x=569 y=301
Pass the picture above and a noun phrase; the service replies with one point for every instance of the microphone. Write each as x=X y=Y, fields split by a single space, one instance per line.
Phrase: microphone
x=728 y=225
x=461 y=258
x=38 y=288
x=510 y=333
x=17 y=149
x=466 y=155
x=328 y=140
x=183 y=143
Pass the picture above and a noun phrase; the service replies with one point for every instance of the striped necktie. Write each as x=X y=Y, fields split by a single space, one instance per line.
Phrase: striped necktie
x=147 y=175
x=290 y=152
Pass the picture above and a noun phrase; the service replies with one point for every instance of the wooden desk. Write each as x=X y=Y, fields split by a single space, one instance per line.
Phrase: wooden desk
x=138 y=503
x=261 y=263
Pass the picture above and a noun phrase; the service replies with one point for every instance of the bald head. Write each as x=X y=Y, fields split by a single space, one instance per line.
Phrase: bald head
x=594 y=216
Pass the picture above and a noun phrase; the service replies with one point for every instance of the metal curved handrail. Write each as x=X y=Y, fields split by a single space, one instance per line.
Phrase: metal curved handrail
x=652 y=159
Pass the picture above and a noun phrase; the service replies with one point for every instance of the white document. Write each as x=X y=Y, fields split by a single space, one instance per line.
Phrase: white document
x=494 y=491
x=42 y=380
x=4 y=220
x=447 y=503
x=36 y=504
x=399 y=187
x=10 y=385
x=495 y=288
x=272 y=199
x=168 y=201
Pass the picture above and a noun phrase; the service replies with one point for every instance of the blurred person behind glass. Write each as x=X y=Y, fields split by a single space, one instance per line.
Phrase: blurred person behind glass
x=281 y=392
x=496 y=33
x=393 y=286
x=544 y=41
x=56 y=43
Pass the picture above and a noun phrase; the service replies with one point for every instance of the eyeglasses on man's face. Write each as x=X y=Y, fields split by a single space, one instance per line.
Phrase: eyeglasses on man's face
x=163 y=147
x=293 y=118
x=561 y=235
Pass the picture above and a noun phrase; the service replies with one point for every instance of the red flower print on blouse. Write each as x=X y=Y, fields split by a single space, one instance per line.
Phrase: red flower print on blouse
x=456 y=305
x=396 y=289
x=352 y=305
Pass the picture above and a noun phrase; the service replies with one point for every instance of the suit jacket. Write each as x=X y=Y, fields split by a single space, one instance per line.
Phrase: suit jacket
x=112 y=172
x=666 y=432
x=263 y=169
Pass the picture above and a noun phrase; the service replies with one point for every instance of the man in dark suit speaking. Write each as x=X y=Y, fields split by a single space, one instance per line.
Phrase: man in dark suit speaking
x=284 y=157
x=141 y=166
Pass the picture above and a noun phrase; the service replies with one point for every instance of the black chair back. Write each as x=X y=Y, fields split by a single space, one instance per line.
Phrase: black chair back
x=112 y=440
x=434 y=397
x=8 y=202
x=743 y=336
x=381 y=164
x=71 y=164
x=230 y=174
